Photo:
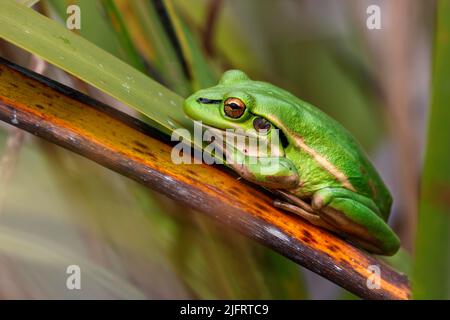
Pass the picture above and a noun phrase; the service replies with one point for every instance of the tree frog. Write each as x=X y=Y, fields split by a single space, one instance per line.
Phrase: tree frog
x=323 y=175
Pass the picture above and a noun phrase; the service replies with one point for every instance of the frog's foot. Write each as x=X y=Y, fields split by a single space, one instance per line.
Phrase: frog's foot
x=301 y=208
x=357 y=218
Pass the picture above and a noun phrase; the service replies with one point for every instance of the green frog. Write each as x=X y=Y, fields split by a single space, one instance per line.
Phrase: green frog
x=318 y=171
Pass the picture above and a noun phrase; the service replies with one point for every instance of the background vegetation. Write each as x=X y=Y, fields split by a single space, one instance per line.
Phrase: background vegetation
x=57 y=208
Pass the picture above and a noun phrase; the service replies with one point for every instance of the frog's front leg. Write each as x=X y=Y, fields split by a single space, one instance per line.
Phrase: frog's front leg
x=357 y=217
x=277 y=173
x=270 y=172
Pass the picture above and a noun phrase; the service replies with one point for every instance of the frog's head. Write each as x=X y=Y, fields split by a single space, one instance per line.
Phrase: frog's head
x=237 y=102
x=249 y=107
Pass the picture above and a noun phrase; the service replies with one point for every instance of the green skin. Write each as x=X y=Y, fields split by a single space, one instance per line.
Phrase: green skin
x=323 y=174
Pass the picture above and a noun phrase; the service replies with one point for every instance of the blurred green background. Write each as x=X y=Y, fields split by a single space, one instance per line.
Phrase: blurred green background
x=58 y=209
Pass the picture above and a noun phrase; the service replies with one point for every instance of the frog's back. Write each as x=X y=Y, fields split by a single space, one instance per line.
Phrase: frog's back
x=327 y=154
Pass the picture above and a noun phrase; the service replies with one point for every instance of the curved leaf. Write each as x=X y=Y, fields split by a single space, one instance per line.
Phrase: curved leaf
x=70 y=52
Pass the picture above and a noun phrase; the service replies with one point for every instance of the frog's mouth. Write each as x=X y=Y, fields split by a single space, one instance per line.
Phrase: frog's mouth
x=248 y=143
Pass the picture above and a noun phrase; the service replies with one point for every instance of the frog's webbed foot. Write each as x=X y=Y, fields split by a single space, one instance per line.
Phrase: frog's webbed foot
x=301 y=208
x=358 y=219
x=347 y=214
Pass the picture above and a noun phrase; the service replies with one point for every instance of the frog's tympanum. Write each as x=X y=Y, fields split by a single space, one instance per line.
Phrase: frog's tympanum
x=322 y=174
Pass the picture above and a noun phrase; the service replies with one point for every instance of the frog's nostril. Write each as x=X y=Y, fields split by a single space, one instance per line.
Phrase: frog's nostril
x=208 y=101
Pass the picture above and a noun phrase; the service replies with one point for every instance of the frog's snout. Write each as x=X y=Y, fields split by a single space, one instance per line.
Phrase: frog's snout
x=190 y=105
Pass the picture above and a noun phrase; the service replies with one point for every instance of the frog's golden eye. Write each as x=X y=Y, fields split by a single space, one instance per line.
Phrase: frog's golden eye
x=234 y=108
x=261 y=124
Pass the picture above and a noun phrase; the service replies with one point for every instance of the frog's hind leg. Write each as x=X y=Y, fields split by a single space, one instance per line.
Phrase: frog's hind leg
x=357 y=217
x=301 y=208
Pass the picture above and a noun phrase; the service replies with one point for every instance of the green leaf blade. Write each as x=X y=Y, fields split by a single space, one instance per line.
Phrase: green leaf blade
x=431 y=277
x=70 y=52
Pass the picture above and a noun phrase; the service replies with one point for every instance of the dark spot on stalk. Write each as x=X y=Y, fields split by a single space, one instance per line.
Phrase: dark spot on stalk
x=261 y=207
x=151 y=156
x=309 y=236
x=141 y=145
x=333 y=248
x=191 y=172
x=259 y=212
x=307 y=240
x=138 y=150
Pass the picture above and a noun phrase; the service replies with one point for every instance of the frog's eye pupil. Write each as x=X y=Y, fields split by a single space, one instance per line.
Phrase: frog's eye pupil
x=261 y=124
x=234 y=107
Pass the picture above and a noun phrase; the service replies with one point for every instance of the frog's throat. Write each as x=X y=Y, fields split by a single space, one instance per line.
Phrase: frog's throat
x=322 y=161
x=249 y=150
x=224 y=132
